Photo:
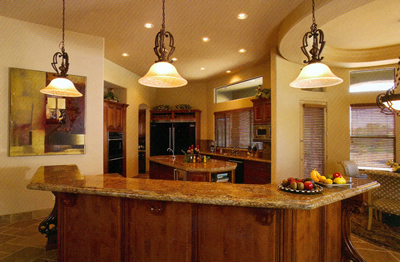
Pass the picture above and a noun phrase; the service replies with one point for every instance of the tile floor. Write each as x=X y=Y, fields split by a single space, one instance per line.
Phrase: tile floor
x=22 y=242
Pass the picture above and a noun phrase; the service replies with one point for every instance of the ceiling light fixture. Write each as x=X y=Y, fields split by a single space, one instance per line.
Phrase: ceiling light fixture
x=315 y=74
x=242 y=16
x=61 y=86
x=148 y=25
x=242 y=50
x=125 y=54
x=163 y=74
x=389 y=102
x=206 y=39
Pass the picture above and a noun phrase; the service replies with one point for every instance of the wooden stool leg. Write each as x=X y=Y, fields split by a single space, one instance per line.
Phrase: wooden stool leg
x=370 y=210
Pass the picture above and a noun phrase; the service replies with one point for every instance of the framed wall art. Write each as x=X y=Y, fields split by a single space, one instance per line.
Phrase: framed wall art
x=42 y=124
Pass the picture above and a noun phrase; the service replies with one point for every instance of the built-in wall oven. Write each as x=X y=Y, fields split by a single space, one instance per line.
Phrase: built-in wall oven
x=115 y=152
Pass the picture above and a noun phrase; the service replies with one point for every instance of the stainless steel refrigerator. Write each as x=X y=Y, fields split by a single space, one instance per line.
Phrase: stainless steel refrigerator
x=175 y=135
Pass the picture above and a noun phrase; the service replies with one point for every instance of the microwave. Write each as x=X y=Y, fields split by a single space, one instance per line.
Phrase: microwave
x=262 y=132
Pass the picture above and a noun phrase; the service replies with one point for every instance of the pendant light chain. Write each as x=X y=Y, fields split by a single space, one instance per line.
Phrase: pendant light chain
x=63 y=29
x=163 y=15
x=314 y=24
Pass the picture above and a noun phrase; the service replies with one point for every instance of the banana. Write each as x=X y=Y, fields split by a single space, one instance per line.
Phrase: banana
x=315 y=175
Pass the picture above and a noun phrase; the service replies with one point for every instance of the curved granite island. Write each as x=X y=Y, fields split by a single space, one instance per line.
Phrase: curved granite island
x=111 y=218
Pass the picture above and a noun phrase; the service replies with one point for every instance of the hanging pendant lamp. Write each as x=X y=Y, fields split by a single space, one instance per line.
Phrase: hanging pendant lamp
x=61 y=86
x=163 y=74
x=389 y=102
x=315 y=74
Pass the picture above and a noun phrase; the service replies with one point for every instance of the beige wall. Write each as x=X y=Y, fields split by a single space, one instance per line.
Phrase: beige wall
x=137 y=95
x=287 y=117
x=30 y=46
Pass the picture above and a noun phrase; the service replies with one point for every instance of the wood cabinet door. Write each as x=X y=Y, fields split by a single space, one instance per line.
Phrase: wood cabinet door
x=258 y=114
x=256 y=172
x=197 y=176
x=158 y=231
x=237 y=234
x=158 y=171
x=261 y=111
x=89 y=228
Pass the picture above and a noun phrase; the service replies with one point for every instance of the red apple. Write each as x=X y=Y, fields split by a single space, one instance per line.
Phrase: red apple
x=336 y=175
x=308 y=185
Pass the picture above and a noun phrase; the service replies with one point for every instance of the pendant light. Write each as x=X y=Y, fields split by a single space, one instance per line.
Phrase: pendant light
x=315 y=74
x=389 y=102
x=163 y=74
x=61 y=86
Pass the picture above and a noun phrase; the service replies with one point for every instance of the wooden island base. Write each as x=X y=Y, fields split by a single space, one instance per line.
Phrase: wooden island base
x=108 y=217
x=122 y=229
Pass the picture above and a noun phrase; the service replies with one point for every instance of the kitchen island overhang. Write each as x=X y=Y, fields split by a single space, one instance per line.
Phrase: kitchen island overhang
x=120 y=205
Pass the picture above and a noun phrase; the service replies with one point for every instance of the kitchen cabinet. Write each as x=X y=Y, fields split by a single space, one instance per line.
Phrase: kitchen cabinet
x=175 y=117
x=261 y=111
x=158 y=171
x=115 y=115
x=248 y=171
x=114 y=137
x=170 y=168
x=257 y=172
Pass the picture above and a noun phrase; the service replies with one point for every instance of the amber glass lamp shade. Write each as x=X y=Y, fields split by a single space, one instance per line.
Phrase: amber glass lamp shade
x=163 y=75
x=61 y=87
x=316 y=75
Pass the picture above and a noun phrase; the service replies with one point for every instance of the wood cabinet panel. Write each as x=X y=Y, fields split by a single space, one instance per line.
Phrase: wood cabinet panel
x=89 y=228
x=158 y=171
x=257 y=172
x=100 y=228
x=237 y=234
x=158 y=231
x=261 y=111
x=198 y=176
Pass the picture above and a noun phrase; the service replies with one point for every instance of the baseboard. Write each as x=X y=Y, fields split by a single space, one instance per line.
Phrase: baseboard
x=36 y=214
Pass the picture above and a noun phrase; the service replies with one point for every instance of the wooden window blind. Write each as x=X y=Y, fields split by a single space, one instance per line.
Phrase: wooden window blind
x=234 y=128
x=314 y=138
x=372 y=136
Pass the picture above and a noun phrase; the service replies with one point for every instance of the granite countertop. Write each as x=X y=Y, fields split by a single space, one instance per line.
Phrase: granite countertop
x=212 y=165
x=68 y=179
x=237 y=156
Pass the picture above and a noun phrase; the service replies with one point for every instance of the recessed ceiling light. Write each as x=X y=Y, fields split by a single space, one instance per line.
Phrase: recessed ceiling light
x=148 y=25
x=242 y=16
x=206 y=39
x=125 y=54
x=228 y=72
x=174 y=59
x=242 y=50
x=203 y=68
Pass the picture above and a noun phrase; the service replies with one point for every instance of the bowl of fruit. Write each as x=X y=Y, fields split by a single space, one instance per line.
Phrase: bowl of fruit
x=297 y=185
x=334 y=180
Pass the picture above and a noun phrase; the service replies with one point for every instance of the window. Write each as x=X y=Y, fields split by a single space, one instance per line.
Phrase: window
x=371 y=80
x=314 y=138
x=234 y=128
x=372 y=136
x=239 y=90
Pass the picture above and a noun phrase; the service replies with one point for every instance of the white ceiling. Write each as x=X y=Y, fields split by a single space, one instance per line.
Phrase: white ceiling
x=357 y=32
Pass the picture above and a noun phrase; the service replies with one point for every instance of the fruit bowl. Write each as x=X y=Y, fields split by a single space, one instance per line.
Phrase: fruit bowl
x=334 y=185
x=316 y=189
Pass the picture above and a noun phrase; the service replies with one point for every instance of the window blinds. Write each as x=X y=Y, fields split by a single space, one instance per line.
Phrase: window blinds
x=372 y=135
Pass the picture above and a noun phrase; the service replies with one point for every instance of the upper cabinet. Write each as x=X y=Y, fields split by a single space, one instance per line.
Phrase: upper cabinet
x=175 y=115
x=261 y=111
x=114 y=116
